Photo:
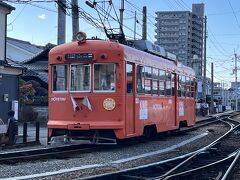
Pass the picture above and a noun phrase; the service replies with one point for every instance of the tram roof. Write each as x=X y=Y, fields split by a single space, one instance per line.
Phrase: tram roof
x=130 y=54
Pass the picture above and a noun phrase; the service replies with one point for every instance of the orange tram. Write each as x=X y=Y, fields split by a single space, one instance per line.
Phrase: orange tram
x=103 y=91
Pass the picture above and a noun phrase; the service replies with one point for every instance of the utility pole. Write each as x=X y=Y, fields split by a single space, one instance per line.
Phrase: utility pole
x=235 y=71
x=61 y=21
x=135 y=24
x=221 y=90
x=205 y=61
x=212 y=105
x=121 y=16
x=144 y=28
x=224 y=95
x=75 y=19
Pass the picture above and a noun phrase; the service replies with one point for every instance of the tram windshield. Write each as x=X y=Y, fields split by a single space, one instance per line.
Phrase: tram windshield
x=60 y=78
x=80 y=77
x=104 y=77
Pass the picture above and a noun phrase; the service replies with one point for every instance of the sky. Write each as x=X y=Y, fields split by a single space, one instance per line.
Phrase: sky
x=37 y=23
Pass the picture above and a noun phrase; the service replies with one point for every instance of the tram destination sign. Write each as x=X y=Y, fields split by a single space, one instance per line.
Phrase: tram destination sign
x=79 y=56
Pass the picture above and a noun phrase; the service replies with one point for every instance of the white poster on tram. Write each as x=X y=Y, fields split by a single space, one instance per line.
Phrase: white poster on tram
x=181 y=109
x=143 y=110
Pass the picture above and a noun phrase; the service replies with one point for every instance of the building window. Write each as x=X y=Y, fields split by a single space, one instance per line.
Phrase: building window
x=59 y=77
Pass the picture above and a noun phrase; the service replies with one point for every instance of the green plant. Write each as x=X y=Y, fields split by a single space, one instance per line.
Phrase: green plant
x=28 y=114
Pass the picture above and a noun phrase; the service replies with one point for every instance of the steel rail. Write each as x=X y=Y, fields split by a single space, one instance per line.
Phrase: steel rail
x=50 y=152
x=231 y=167
x=197 y=153
x=232 y=157
x=185 y=159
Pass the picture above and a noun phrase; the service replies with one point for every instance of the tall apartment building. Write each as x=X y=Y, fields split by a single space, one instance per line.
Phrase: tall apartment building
x=181 y=33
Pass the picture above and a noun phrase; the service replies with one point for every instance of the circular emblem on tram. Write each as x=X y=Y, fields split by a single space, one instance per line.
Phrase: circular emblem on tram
x=109 y=104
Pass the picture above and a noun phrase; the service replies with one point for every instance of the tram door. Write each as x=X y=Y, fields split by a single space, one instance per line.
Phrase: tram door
x=130 y=99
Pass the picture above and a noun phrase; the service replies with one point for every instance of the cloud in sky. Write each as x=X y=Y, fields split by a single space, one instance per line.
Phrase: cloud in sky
x=42 y=16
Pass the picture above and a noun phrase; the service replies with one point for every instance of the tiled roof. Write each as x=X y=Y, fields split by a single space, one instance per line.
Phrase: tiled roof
x=42 y=54
x=27 y=46
x=40 y=74
x=13 y=63
x=6 y=6
x=37 y=66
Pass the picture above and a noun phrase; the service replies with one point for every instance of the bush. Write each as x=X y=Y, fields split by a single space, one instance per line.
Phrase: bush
x=34 y=83
x=28 y=114
x=40 y=91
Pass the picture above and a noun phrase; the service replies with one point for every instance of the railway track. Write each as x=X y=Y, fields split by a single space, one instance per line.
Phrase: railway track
x=214 y=161
x=67 y=151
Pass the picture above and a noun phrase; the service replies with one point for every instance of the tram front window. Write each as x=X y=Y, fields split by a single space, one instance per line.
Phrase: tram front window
x=80 y=77
x=59 y=77
x=104 y=77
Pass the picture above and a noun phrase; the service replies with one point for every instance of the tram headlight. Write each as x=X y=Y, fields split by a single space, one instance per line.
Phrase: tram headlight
x=81 y=37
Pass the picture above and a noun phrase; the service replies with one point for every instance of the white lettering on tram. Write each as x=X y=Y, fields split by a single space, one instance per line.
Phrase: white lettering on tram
x=58 y=99
x=157 y=107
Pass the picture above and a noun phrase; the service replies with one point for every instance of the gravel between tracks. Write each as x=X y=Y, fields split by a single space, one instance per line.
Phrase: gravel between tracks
x=107 y=156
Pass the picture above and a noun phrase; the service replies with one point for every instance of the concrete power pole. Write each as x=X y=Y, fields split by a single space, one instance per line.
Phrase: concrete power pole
x=75 y=19
x=121 y=15
x=212 y=105
x=235 y=71
x=61 y=21
x=205 y=62
x=144 y=27
x=135 y=24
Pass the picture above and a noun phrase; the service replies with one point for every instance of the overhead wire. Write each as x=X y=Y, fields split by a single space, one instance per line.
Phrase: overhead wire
x=234 y=14
x=18 y=15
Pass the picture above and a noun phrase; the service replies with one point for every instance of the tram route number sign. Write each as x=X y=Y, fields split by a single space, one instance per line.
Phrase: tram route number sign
x=79 y=56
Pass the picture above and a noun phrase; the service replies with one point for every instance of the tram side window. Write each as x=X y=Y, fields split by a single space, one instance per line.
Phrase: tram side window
x=173 y=84
x=168 y=84
x=104 y=77
x=192 y=87
x=183 y=81
x=162 y=82
x=80 y=77
x=155 y=81
x=140 y=79
x=188 y=87
x=129 y=76
x=148 y=80
x=179 y=86
x=59 y=76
